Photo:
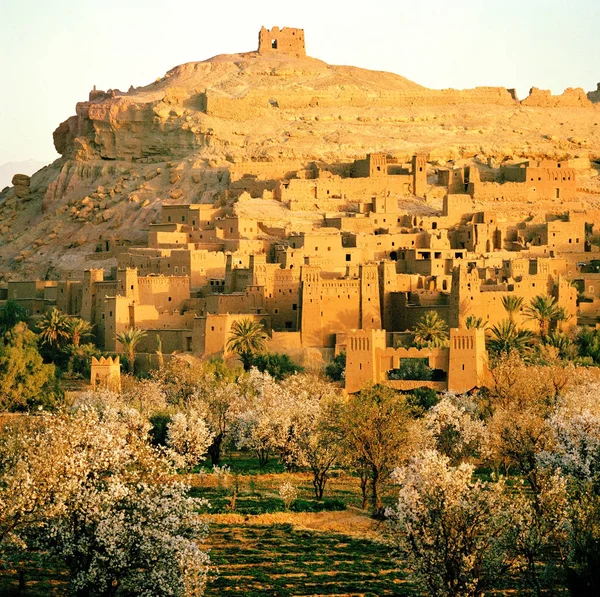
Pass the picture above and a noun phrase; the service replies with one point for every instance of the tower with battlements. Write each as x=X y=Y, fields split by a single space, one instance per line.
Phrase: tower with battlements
x=281 y=41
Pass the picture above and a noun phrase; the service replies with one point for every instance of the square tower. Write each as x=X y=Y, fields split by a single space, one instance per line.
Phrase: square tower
x=281 y=41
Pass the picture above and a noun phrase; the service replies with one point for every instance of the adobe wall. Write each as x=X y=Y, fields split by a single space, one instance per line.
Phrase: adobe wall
x=116 y=319
x=471 y=296
x=172 y=340
x=494 y=191
x=240 y=302
x=164 y=292
x=264 y=171
x=148 y=317
x=210 y=332
x=257 y=102
x=570 y=98
x=334 y=306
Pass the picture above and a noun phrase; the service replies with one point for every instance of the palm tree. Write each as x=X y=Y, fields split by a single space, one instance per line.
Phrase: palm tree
x=544 y=310
x=431 y=331
x=247 y=338
x=473 y=322
x=130 y=338
x=11 y=314
x=563 y=344
x=506 y=337
x=79 y=329
x=512 y=304
x=54 y=328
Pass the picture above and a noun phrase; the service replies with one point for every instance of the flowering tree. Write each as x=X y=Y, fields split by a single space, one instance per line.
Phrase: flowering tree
x=189 y=438
x=88 y=488
x=263 y=424
x=315 y=439
x=208 y=387
x=455 y=429
x=375 y=427
x=450 y=528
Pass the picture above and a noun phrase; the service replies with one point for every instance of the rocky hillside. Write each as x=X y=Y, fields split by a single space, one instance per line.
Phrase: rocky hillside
x=125 y=153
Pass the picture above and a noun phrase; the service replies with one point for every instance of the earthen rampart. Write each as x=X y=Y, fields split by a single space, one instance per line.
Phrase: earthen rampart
x=570 y=98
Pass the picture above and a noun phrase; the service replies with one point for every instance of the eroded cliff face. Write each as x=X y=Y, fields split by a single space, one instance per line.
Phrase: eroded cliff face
x=126 y=153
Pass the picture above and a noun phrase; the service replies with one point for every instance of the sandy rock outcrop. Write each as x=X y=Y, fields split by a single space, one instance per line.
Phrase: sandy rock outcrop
x=594 y=96
x=21 y=184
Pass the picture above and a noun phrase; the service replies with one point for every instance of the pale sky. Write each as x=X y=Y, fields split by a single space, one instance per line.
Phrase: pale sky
x=53 y=51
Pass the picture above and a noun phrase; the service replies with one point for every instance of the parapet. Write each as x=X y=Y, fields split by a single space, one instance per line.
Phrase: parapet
x=570 y=98
x=106 y=373
x=281 y=41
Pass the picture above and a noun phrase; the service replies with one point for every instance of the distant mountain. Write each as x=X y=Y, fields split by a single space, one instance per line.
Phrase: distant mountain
x=8 y=170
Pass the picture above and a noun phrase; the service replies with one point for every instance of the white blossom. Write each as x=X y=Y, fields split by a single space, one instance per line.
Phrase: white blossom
x=188 y=436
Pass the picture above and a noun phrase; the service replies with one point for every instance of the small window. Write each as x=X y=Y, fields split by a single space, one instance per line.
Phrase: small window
x=212 y=328
x=348 y=257
x=294 y=307
x=169 y=299
x=169 y=219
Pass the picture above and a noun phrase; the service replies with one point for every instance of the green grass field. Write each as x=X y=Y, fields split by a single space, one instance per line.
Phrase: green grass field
x=281 y=561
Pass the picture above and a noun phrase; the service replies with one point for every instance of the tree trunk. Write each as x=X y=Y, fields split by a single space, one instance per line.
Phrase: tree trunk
x=375 y=489
x=364 y=482
x=214 y=451
x=319 y=482
x=263 y=458
x=247 y=360
x=21 y=581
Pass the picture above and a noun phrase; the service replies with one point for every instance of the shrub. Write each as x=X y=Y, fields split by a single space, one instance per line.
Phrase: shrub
x=412 y=369
x=277 y=365
x=336 y=370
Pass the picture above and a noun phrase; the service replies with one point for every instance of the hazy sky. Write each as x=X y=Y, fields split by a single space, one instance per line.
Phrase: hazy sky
x=53 y=51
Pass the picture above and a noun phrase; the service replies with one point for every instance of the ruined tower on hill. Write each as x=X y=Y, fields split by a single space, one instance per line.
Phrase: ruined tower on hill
x=281 y=41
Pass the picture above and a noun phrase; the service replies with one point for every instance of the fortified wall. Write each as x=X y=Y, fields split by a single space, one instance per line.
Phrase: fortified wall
x=570 y=98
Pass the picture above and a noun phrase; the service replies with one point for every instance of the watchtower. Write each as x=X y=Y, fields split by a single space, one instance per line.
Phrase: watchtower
x=419 y=172
x=281 y=41
x=106 y=374
x=467 y=366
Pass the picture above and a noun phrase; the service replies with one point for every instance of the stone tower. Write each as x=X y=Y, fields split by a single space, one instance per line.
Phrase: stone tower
x=464 y=295
x=370 y=307
x=88 y=298
x=419 y=173
x=281 y=41
x=362 y=348
x=467 y=365
x=127 y=283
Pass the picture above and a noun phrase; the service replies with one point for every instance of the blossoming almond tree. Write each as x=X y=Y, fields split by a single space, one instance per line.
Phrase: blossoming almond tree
x=456 y=432
x=88 y=488
x=189 y=438
x=449 y=527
